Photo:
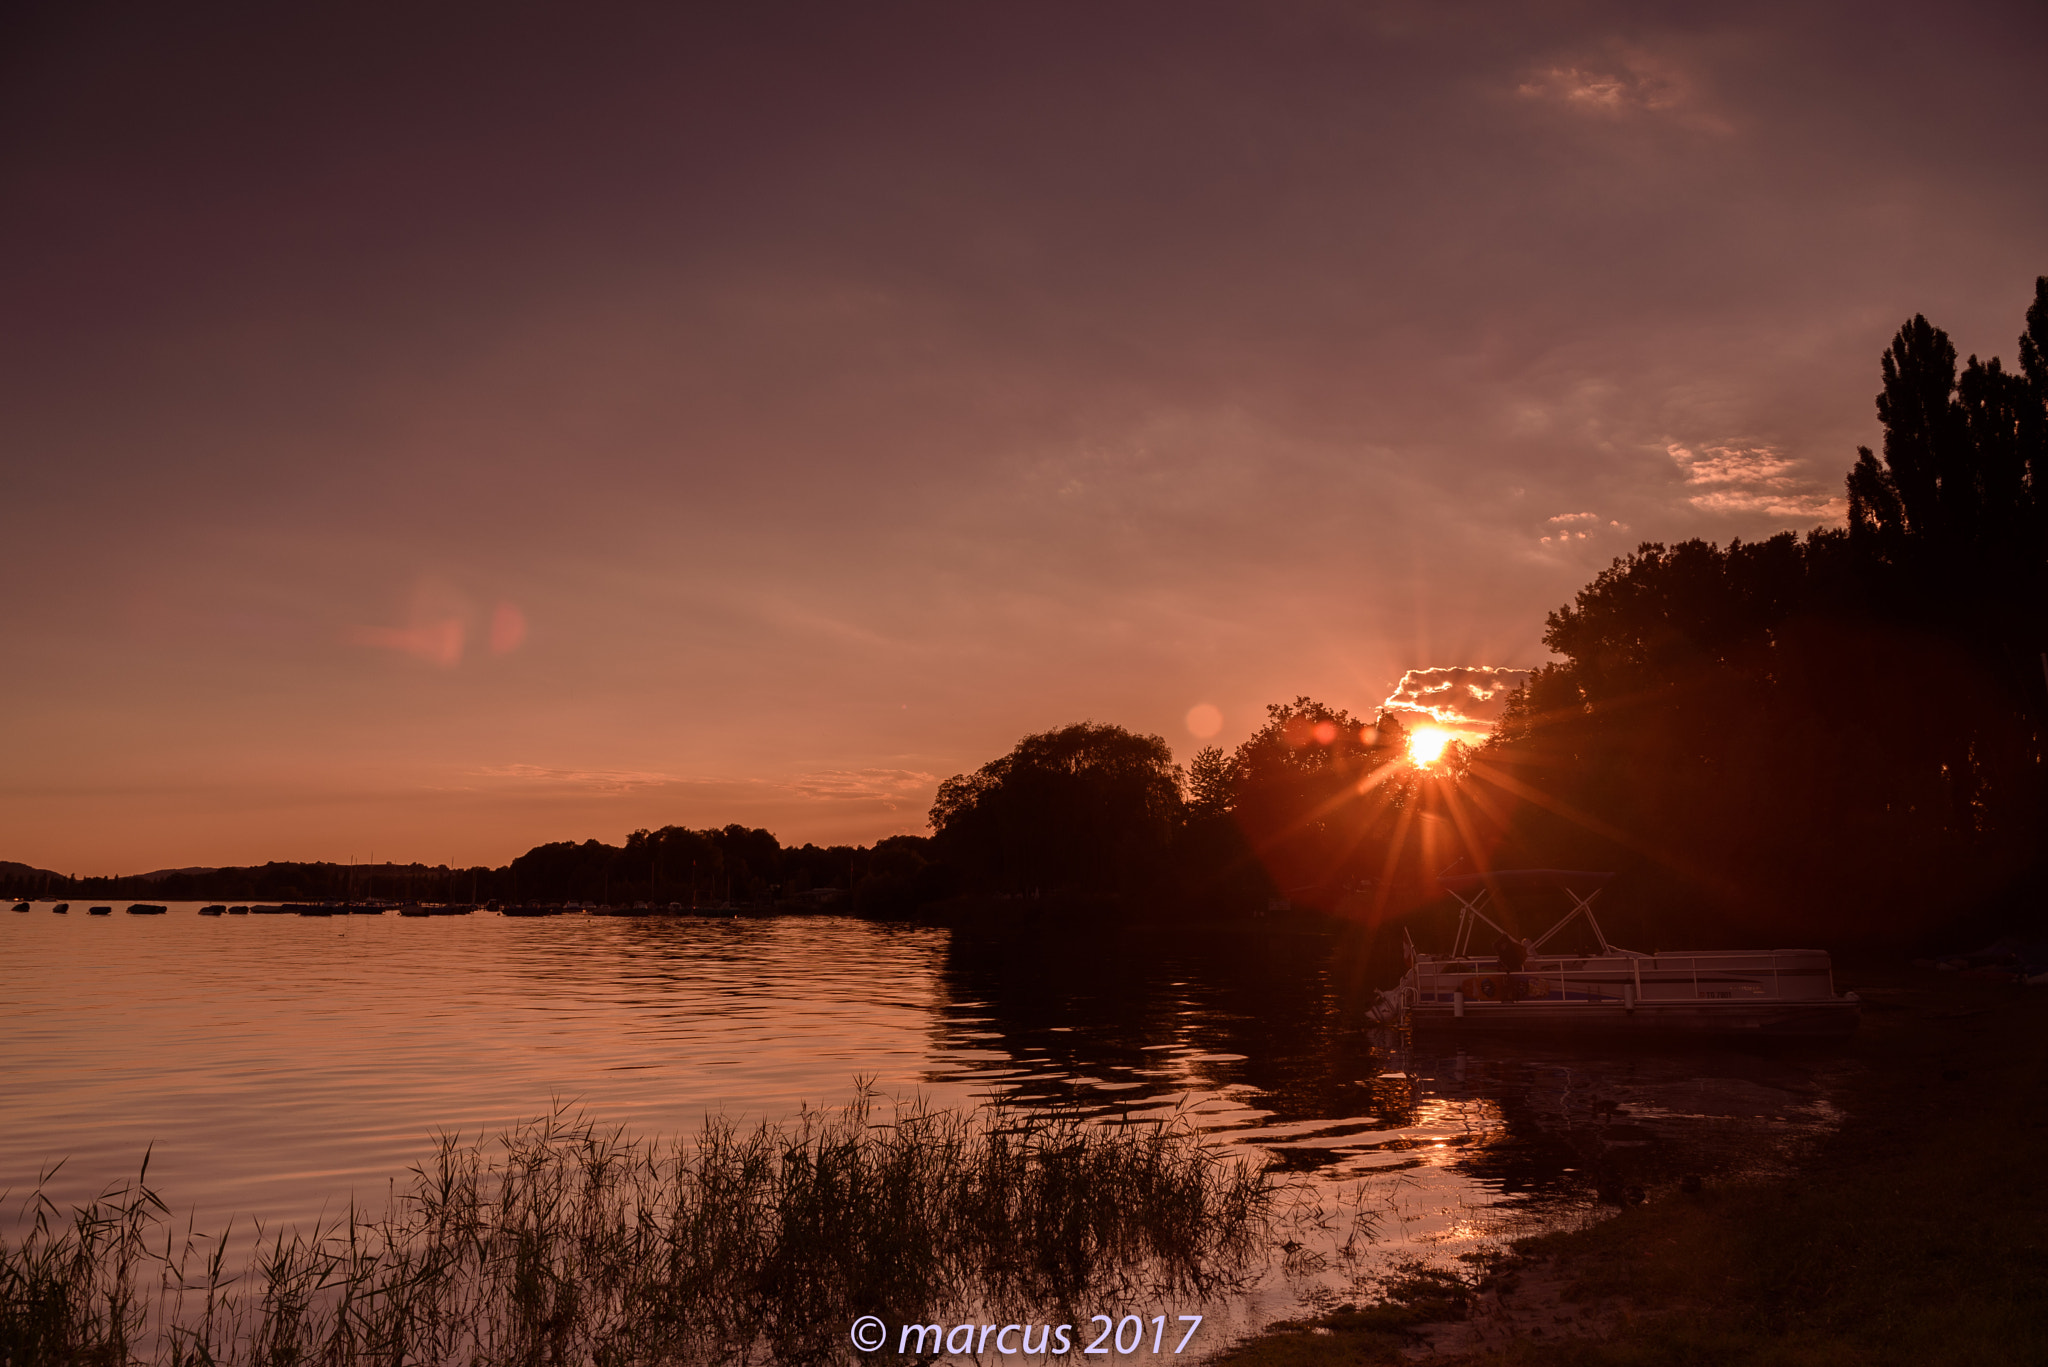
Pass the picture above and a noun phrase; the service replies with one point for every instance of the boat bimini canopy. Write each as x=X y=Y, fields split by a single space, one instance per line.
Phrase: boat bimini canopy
x=1475 y=892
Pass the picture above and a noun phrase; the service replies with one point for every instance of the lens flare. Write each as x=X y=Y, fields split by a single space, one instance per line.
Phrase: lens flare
x=435 y=642
x=508 y=628
x=1426 y=744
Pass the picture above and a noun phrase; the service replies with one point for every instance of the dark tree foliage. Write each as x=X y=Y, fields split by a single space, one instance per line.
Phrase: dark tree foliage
x=1211 y=784
x=1084 y=809
x=1714 y=706
x=673 y=864
x=670 y=864
x=735 y=863
x=564 y=870
x=273 y=882
x=1952 y=528
x=1215 y=870
x=1840 y=734
x=898 y=876
x=1311 y=791
x=814 y=868
x=752 y=858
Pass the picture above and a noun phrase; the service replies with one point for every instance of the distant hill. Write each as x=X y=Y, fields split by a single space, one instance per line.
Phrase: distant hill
x=158 y=875
x=13 y=873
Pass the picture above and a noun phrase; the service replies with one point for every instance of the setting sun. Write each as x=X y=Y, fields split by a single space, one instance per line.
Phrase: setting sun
x=1426 y=744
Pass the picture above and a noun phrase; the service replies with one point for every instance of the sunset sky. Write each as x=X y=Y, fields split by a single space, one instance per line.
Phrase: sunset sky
x=430 y=430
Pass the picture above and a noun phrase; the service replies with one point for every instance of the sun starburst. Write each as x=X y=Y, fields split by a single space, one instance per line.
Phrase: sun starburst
x=1426 y=744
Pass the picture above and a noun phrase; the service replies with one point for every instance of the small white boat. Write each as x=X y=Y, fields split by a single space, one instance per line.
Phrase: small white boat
x=1518 y=988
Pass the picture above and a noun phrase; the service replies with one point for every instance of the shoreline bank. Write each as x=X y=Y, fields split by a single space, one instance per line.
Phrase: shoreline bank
x=1916 y=1233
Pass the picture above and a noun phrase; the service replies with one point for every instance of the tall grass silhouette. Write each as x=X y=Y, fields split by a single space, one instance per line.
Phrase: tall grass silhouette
x=564 y=1241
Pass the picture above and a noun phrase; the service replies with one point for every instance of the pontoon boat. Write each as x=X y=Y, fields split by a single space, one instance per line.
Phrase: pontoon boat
x=1514 y=985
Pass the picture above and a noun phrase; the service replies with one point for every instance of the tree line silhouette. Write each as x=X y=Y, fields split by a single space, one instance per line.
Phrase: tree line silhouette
x=1831 y=736
x=1834 y=736
x=731 y=866
x=1839 y=733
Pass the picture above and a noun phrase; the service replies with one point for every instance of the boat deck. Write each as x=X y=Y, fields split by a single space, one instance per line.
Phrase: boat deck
x=1766 y=991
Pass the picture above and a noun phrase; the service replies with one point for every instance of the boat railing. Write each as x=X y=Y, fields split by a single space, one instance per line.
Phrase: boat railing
x=1647 y=977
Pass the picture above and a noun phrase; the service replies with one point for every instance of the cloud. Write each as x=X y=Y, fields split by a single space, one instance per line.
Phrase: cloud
x=1569 y=527
x=1752 y=479
x=1597 y=91
x=579 y=780
x=860 y=785
x=888 y=787
x=1466 y=699
x=1624 y=82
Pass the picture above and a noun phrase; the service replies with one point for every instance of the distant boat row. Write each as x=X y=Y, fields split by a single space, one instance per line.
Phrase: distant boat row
x=139 y=909
x=607 y=909
x=342 y=909
x=416 y=909
x=64 y=908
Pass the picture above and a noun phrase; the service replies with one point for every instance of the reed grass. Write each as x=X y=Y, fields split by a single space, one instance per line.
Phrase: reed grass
x=564 y=1241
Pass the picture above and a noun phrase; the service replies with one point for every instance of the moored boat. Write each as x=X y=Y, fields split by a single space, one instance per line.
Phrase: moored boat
x=218 y=909
x=100 y=911
x=21 y=906
x=62 y=908
x=1519 y=988
x=148 y=909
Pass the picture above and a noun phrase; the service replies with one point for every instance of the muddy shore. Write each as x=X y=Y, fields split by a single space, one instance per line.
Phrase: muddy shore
x=1916 y=1233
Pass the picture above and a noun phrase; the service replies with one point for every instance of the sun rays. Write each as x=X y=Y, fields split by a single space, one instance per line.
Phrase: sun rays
x=1426 y=744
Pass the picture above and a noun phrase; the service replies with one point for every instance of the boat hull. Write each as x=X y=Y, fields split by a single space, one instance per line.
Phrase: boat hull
x=1837 y=1017
x=1750 y=992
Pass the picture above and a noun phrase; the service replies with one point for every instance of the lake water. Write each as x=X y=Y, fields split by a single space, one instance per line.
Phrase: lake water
x=278 y=1067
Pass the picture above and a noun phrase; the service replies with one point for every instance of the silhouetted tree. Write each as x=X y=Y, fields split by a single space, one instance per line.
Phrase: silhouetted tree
x=1215 y=870
x=1310 y=789
x=1841 y=732
x=1086 y=808
x=667 y=865
x=897 y=876
x=751 y=859
x=1212 y=784
x=564 y=871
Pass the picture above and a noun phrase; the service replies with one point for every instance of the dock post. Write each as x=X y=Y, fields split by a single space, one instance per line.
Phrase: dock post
x=1458 y=1005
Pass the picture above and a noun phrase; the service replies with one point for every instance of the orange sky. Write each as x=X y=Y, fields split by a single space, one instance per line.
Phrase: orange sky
x=424 y=437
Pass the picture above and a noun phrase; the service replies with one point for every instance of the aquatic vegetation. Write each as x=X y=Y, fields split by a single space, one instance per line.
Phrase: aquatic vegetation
x=567 y=1242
